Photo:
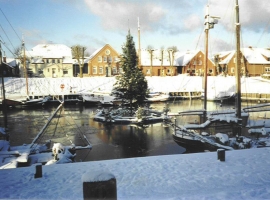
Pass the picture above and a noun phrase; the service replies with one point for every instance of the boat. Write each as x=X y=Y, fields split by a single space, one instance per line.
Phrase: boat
x=36 y=152
x=216 y=130
x=142 y=116
x=99 y=97
x=157 y=97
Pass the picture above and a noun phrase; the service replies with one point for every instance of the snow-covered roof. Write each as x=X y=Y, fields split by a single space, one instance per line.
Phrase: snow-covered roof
x=95 y=53
x=254 y=56
x=229 y=54
x=180 y=58
x=11 y=62
x=50 y=51
x=183 y=58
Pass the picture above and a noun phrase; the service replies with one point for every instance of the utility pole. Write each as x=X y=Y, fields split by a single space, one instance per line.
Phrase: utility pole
x=4 y=106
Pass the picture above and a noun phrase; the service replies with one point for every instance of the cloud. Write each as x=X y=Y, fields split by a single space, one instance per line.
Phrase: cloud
x=171 y=17
x=122 y=15
x=254 y=15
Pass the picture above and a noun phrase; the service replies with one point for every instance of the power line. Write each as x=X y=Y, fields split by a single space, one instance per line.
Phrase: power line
x=10 y=24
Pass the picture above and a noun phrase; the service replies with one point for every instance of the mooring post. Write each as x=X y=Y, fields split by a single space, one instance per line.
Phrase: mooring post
x=221 y=154
x=38 y=173
x=99 y=185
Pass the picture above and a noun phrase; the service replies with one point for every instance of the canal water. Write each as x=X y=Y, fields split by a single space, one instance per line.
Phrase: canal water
x=109 y=141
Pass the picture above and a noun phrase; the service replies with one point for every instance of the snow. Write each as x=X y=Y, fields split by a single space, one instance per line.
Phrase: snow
x=180 y=83
x=245 y=174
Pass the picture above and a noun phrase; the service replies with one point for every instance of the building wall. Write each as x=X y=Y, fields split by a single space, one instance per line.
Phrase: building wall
x=51 y=68
x=104 y=63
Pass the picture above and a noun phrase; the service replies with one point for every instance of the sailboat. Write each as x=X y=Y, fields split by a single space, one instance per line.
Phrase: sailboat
x=219 y=130
x=26 y=100
x=29 y=154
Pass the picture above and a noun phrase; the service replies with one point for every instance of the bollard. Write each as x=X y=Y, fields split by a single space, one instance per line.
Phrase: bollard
x=99 y=185
x=221 y=154
x=38 y=173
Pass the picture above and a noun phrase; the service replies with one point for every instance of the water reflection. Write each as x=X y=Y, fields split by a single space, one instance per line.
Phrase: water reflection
x=109 y=142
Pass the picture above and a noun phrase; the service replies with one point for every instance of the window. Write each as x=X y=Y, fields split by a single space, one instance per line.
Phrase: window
x=53 y=60
x=169 y=71
x=110 y=59
x=48 y=70
x=114 y=70
x=59 y=61
x=232 y=70
x=148 y=71
x=105 y=59
x=65 y=71
x=47 y=60
x=94 y=70
x=107 y=52
x=267 y=69
x=120 y=70
x=100 y=70
x=99 y=59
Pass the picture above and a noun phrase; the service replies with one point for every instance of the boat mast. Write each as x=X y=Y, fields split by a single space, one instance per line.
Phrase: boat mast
x=206 y=30
x=209 y=23
x=238 y=62
x=25 y=70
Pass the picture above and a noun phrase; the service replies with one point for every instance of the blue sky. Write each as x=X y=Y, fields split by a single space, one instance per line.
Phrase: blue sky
x=94 y=23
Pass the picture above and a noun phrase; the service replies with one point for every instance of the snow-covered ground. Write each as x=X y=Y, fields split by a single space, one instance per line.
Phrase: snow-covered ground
x=181 y=83
x=245 y=174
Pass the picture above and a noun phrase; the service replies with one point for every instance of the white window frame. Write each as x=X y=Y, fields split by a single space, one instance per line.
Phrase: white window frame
x=114 y=70
x=100 y=69
x=148 y=71
x=267 y=69
x=104 y=58
x=94 y=70
x=232 y=70
x=99 y=59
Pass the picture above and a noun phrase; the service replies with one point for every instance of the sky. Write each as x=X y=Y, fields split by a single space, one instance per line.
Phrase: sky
x=163 y=24
x=244 y=174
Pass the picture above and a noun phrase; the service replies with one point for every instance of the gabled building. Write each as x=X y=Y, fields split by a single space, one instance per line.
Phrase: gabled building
x=254 y=62
x=169 y=63
x=103 y=62
x=50 y=60
x=192 y=63
x=10 y=67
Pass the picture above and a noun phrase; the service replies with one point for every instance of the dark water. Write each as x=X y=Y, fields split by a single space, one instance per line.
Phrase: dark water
x=109 y=142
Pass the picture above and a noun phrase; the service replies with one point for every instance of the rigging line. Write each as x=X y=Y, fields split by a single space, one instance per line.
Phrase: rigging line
x=265 y=29
x=9 y=23
x=57 y=122
x=7 y=37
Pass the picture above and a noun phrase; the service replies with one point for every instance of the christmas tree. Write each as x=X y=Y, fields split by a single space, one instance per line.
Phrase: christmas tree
x=131 y=86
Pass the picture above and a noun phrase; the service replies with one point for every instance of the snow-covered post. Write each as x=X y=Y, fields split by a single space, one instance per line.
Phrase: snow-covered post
x=221 y=154
x=99 y=185
x=38 y=173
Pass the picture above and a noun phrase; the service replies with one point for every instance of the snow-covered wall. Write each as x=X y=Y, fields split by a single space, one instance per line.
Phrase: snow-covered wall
x=181 y=83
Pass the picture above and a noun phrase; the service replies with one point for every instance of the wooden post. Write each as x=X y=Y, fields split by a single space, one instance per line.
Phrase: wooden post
x=38 y=173
x=99 y=185
x=221 y=154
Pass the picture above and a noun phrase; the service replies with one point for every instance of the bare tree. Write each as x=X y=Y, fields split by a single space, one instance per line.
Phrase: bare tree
x=78 y=54
x=150 y=50
x=171 y=52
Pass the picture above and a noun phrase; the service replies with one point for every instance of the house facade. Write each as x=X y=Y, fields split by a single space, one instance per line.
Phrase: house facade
x=169 y=63
x=50 y=60
x=254 y=62
x=103 y=62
